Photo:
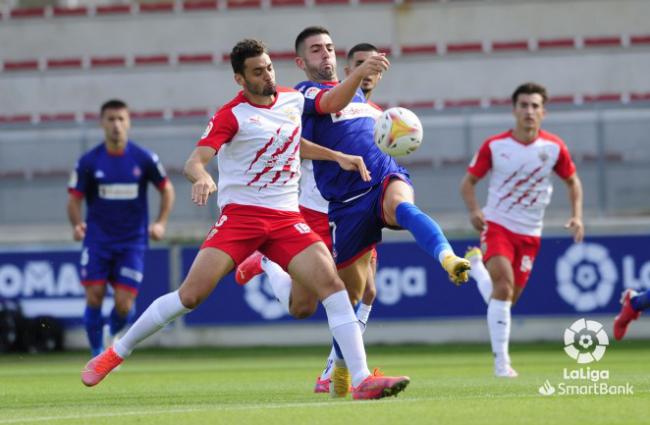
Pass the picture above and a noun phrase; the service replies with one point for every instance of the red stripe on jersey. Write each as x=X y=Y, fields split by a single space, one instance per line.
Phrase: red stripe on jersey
x=93 y=282
x=510 y=177
x=275 y=154
x=163 y=184
x=76 y=193
x=526 y=193
x=517 y=184
x=260 y=152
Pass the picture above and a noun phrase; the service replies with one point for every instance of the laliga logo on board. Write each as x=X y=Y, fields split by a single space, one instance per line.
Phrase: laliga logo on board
x=585 y=341
x=586 y=276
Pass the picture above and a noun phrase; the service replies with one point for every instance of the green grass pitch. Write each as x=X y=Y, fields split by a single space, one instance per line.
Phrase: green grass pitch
x=451 y=384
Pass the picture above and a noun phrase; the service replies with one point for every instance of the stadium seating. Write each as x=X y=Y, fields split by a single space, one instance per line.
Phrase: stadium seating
x=169 y=61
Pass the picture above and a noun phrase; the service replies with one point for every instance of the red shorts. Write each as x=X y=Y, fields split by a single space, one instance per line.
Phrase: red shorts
x=242 y=229
x=520 y=250
x=319 y=223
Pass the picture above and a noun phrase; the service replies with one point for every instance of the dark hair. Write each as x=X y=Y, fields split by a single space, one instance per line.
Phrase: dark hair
x=361 y=47
x=113 y=104
x=530 y=88
x=308 y=32
x=247 y=48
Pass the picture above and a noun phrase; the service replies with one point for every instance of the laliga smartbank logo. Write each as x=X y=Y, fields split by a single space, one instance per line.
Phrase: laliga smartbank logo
x=585 y=341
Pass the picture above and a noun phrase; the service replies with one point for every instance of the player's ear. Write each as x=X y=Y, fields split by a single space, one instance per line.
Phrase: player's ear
x=239 y=79
x=299 y=62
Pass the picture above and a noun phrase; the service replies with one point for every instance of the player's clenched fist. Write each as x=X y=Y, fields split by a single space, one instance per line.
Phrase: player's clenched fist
x=375 y=64
x=79 y=231
x=202 y=189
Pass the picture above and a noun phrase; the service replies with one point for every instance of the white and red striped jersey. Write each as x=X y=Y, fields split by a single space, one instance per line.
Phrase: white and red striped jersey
x=258 y=151
x=520 y=186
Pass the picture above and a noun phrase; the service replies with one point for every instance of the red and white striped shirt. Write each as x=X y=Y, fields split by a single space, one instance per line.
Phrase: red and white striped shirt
x=520 y=187
x=258 y=151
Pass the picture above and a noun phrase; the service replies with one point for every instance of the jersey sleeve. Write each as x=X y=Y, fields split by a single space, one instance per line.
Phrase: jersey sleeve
x=79 y=178
x=220 y=130
x=564 y=167
x=156 y=173
x=312 y=95
x=481 y=162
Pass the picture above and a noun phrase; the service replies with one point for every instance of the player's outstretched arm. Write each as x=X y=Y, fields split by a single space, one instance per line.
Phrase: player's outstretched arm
x=468 y=192
x=310 y=150
x=575 y=225
x=202 y=183
x=338 y=97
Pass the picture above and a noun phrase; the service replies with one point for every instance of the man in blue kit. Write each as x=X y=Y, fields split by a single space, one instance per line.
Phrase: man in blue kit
x=113 y=178
x=358 y=210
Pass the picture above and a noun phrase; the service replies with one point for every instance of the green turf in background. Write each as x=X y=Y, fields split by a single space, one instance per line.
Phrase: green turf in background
x=451 y=384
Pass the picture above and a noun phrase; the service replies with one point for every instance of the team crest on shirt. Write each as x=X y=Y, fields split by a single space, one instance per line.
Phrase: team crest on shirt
x=255 y=119
x=312 y=92
x=292 y=113
x=543 y=155
x=137 y=172
x=99 y=174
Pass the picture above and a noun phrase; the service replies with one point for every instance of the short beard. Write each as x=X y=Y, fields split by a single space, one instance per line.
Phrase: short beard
x=269 y=91
x=264 y=91
x=316 y=74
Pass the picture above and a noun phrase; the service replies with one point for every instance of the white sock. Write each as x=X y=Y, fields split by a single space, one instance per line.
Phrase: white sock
x=280 y=281
x=498 y=318
x=162 y=311
x=327 y=372
x=363 y=312
x=482 y=277
x=345 y=329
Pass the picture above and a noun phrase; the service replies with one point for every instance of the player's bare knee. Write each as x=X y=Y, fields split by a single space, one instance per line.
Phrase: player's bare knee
x=190 y=299
x=355 y=296
x=302 y=311
x=122 y=309
x=369 y=294
x=329 y=286
x=503 y=291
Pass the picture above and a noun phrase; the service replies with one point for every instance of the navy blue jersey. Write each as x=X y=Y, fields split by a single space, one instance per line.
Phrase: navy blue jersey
x=115 y=188
x=349 y=131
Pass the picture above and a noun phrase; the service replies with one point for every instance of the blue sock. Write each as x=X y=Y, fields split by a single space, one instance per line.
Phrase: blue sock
x=641 y=301
x=116 y=322
x=425 y=230
x=94 y=323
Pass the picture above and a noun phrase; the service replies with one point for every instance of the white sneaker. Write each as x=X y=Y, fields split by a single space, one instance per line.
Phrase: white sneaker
x=505 y=371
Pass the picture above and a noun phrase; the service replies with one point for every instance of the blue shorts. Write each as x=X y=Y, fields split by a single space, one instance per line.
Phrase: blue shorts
x=356 y=225
x=121 y=267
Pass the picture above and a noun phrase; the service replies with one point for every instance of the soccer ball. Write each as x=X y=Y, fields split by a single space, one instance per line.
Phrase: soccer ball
x=398 y=132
